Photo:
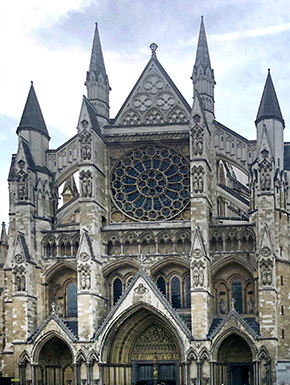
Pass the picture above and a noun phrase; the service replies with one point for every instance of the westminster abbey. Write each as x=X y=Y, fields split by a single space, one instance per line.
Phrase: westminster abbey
x=152 y=247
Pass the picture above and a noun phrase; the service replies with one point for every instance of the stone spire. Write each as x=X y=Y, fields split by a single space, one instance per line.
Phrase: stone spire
x=269 y=118
x=203 y=75
x=97 y=81
x=269 y=105
x=32 y=118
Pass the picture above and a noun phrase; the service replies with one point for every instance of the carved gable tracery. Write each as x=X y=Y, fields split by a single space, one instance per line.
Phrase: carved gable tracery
x=153 y=101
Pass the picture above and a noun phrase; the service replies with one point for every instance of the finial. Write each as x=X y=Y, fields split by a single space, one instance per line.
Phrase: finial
x=153 y=47
x=31 y=82
x=141 y=260
x=268 y=70
x=201 y=17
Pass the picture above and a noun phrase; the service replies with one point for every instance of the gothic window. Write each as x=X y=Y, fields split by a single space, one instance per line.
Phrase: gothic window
x=113 y=248
x=117 y=290
x=237 y=294
x=72 y=303
x=179 y=246
x=175 y=293
x=247 y=243
x=232 y=242
x=216 y=242
x=110 y=248
x=151 y=183
x=161 y=285
x=50 y=248
x=129 y=281
x=76 y=247
x=187 y=293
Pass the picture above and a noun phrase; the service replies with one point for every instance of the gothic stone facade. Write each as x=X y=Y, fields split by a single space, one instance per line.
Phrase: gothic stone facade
x=168 y=259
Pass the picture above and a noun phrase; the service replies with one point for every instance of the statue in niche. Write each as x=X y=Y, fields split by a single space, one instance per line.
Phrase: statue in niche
x=223 y=306
x=264 y=275
x=88 y=280
x=250 y=305
x=83 y=280
x=85 y=277
x=86 y=151
x=197 y=141
x=86 y=183
x=195 y=183
x=195 y=277
x=59 y=309
x=22 y=186
x=23 y=283
x=201 y=276
x=269 y=276
x=200 y=184
x=18 y=283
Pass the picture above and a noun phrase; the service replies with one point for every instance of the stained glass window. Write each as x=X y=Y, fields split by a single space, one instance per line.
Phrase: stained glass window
x=151 y=183
x=237 y=295
x=175 y=293
x=72 y=308
x=117 y=288
x=161 y=285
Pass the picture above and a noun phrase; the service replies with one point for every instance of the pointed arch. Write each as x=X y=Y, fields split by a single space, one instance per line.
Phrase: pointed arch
x=227 y=333
x=80 y=356
x=204 y=354
x=191 y=355
x=93 y=356
x=24 y=358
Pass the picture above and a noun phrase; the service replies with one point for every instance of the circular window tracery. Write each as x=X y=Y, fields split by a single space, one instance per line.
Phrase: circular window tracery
x=151 y=183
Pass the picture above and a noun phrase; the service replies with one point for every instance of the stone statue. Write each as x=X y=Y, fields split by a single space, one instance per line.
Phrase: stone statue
x=223 y=306
x=250 y=305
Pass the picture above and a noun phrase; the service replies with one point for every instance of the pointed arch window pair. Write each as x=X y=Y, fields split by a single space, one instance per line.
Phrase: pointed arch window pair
x=179 y=294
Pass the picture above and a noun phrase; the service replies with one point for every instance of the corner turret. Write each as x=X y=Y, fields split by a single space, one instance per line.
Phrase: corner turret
x=33 y=129
x=269 y=116
x=203 y=75
x=97 y=81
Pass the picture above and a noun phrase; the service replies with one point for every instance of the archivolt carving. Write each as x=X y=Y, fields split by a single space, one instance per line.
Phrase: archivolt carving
x=154 y=341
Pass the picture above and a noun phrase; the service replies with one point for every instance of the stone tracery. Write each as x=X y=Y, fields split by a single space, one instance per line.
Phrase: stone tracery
x=151 y=183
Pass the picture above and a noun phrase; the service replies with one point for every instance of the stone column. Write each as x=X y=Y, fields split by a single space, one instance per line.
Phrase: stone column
x=199 y=372
x=212 y=366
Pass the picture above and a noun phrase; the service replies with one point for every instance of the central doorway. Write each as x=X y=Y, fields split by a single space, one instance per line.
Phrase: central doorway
x=154 y=373
x=143 y=350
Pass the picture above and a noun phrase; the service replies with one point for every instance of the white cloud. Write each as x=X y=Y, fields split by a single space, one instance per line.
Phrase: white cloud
x=251 y=33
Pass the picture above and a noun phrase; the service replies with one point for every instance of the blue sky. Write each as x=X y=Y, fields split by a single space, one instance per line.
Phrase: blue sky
x=49 y=42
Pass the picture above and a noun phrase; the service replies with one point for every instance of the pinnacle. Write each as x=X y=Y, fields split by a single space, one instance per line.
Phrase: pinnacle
x=202 y=53
x=32 y=116
x=269 y=105
x=97 y=61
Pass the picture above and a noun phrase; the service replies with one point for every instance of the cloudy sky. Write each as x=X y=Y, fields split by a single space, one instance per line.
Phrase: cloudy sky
x=49 y=42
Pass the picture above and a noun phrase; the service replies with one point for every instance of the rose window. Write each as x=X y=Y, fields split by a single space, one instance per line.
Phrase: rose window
x=151 y=183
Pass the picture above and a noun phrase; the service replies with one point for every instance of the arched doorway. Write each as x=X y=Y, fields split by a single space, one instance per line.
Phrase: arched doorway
x=55 y=363
x=144 y=350
x=235 y=362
